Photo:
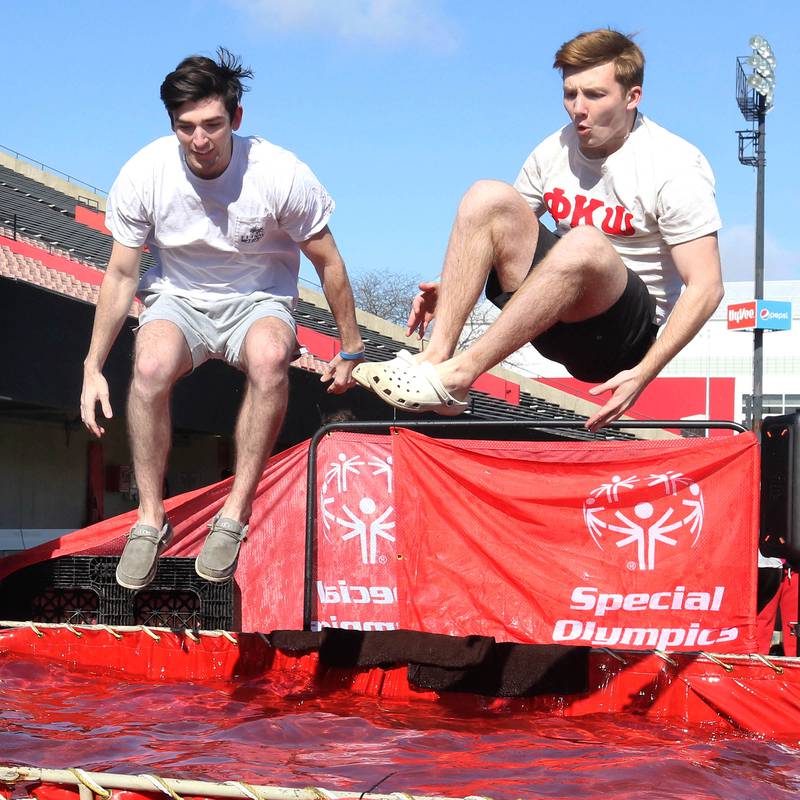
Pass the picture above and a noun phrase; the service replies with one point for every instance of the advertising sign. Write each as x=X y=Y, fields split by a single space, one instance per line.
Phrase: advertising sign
x=768 y=315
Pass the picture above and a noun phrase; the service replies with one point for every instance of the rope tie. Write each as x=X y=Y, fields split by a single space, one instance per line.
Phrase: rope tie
x=614 y=655
x=162 y=786
x=89 y=782
x=35 y=630
x=319 y=793
x=191 y=635
x=662 y=655
x=229 y=636
x=770 y=664
x=719 y=662
x=73 y=630
x=152 y=634
x=110 y=630
x=245 y=788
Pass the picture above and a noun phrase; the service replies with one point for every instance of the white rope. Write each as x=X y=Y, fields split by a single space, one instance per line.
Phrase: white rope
x=109 y=629
x=176 y=789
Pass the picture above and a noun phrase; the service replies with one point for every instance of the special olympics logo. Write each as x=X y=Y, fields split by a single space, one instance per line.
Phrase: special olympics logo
x=645 y=514
x=351 y=516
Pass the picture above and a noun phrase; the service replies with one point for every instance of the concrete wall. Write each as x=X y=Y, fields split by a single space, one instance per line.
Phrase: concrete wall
x=43 y=476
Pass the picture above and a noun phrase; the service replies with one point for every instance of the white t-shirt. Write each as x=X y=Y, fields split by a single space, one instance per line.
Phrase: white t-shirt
x=657 y=190
x=231 y=235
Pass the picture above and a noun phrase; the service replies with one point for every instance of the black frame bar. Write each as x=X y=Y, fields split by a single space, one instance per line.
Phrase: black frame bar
x=476 y=425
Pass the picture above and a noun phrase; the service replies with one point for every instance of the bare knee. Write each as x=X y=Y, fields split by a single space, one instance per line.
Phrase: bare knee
x=489 y=200
x=586 y=249
x=268 y=373
x=153 y=376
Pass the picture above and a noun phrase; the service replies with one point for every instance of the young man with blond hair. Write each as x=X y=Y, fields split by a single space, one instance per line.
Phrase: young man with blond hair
x=636 y=220
x=226 y=218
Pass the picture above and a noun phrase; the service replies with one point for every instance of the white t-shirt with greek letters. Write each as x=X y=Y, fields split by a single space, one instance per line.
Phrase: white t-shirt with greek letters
x=236 y=234
x=657 y=190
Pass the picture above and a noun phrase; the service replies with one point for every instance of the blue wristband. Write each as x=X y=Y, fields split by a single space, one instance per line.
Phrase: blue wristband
x=350 y=356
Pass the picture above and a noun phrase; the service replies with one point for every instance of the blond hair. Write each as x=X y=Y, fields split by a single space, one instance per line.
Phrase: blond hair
x=592 y=48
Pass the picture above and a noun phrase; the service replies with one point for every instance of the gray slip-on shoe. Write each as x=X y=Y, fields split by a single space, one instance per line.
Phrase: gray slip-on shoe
x=220 y=553
x=138 y=563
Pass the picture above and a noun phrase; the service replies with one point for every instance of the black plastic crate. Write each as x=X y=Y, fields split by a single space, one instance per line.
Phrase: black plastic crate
x=83 y=589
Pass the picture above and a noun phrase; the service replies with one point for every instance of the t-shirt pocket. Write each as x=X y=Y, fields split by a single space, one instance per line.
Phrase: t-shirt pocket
x=249 y=233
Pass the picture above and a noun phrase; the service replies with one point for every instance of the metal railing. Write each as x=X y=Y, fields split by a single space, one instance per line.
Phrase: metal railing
x=475 y=426
x=52 y=170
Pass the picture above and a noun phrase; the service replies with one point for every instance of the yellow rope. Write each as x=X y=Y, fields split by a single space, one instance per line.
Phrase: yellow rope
x=770 y=664
x=711 y=657
x=72 y=630
x=35 y=630
x=150 y=633
x=245 y=788
x=110 y=630
x=89 y=782
x=230 y=637
x=162 y=786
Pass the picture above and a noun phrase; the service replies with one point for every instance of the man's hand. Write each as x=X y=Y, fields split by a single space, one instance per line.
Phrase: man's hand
x=422 y=309
x=95 y=390
x=625 y=386
x=339 y=371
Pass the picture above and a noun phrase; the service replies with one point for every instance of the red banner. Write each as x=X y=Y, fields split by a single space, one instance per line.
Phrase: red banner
x=629 y=545
x=355 y=586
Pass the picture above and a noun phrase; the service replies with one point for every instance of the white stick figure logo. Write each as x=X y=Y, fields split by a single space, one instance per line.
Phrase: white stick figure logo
x=367 y=530
x=624 y=513
x=348 y=511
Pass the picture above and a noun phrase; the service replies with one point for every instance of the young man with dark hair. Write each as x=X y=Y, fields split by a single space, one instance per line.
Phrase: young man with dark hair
x=636 y=219
x=226 y=218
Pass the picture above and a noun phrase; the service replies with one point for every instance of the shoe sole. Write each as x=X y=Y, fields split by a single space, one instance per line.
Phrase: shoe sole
x=150 y=575
x=217 y=579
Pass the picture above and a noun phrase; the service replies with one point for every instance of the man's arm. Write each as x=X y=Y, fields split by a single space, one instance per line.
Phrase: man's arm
x=698 y=264
x=113 y=304
x=322 y=252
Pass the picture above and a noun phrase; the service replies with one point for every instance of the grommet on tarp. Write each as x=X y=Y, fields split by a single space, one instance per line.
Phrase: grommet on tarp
x=84 y=779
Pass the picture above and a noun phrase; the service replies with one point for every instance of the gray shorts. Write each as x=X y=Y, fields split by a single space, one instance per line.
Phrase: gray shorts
x=215 y=329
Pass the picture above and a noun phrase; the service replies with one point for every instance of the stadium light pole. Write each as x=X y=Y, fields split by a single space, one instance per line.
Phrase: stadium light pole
x=754 y=95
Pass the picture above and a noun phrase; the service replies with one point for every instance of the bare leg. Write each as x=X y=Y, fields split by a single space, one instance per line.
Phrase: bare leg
x=266 y=353
x=581 y=277
x=493 y=227
x=162 y=356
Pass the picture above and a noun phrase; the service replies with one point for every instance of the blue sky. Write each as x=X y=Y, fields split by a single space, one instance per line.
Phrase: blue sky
x=399 y=105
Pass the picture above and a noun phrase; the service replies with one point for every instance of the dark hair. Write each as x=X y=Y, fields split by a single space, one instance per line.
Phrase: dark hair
x=199 y=77
x=602 y=46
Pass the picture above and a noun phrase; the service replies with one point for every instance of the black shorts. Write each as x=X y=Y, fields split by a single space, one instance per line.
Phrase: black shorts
x=595 y=349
